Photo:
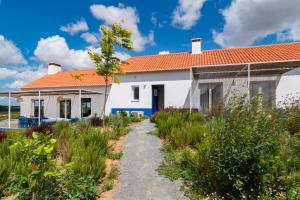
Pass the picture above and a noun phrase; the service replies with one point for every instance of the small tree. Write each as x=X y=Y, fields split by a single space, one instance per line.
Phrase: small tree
x=107 y=65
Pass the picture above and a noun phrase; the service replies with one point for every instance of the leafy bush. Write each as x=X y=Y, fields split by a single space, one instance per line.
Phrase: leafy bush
x=169 y=119
x=64 y=161
x=3 y=136
x=39 y=180
x=96 y=121
x=77 y=188
x=244 y=154
x=89 y=150
x=43 y=128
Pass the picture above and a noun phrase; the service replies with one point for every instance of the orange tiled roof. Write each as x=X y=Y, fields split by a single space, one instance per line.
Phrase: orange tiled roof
x=76 y=78
x=177 y=61
x=185 y=60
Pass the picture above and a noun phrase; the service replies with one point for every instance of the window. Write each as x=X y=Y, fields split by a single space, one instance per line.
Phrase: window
x=36 y=108
x=65 y=109
x=266 y=89
x=210 y=96
x=136 y=92
x=86 y=107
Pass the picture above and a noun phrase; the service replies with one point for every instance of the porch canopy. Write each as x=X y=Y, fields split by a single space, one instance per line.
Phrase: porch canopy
x=244 y=69
x=39 y=93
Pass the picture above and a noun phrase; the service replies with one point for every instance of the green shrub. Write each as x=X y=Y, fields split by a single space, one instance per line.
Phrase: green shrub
x=89 y=150
x=43 y=128
x=74 y=187
x=245 y=153
x=107 y=185
x=35 y=171
x=3 y=136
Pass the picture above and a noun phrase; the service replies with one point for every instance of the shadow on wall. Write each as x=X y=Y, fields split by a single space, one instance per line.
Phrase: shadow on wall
x=293 y=72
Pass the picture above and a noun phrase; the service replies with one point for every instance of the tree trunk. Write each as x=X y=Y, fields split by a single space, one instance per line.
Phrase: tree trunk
x=105 y=99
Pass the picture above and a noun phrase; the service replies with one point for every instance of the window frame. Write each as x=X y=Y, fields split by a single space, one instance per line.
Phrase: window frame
x=84 y=100
x=273 y=92
x=134 y=87
x=210 y=103
x=65 y=109
x=42 y=105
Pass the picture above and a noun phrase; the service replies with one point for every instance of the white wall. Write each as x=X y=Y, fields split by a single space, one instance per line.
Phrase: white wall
x=176 y=88
x=176 y=83
x=51 y=105
x=288 y=85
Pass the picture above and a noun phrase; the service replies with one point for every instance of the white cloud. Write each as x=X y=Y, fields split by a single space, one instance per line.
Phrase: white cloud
x=90 y=38
x=249 y=21
x=156 y=22
x=187 y=13
x=112 y=14
x=121 y=55
x=55 y=49
x=7 y=73
x=76 y=27
x=16 y=79
x=9 y=53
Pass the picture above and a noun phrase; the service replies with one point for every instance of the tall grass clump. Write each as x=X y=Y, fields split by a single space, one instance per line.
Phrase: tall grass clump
x=88 y=153
x=180 y=127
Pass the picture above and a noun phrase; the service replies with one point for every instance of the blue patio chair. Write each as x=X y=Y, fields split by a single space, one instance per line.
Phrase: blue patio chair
x=23 y=122
x=74 y=120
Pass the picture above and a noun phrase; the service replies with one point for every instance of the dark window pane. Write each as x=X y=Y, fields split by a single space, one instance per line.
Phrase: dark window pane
x=36 y=108
x=65 y=109
x=210 y=96
x=136 y=93
x=266 y=89
x=86 y=107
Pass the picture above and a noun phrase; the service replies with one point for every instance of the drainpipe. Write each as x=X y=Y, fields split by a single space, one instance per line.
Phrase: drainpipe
x=9 y=110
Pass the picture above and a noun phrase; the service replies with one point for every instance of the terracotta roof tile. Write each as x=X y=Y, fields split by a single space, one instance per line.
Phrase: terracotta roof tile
x=177 y=61
x=185 y=60
x=76 y=78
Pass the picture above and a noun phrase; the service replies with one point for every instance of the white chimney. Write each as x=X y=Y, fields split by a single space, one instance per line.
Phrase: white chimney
x=196 y=46
x=53 y=68
x=163 y=52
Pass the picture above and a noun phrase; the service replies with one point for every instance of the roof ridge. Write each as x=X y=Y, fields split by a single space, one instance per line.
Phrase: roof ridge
x=152 y=55
x=254 y=46
x=220 y=49
x=76 y=70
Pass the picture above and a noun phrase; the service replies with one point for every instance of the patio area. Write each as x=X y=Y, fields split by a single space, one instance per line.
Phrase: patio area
x=30 y=121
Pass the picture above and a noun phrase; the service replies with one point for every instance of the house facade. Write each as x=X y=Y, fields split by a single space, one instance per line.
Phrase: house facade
x=197 y=80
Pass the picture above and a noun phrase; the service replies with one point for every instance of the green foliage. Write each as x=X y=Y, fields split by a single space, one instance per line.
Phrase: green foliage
x=114 y=173
x=65 y=165
x=107 y=185
x=245 y=153
x=77 y=188
x=89 y=150
x=114 y=156
x=41 y=170
x=107 y=65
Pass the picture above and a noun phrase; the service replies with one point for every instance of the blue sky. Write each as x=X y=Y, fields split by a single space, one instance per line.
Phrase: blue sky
x=35 y=32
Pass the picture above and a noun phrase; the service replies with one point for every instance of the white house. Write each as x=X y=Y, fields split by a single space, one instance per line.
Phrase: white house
x=194 y=80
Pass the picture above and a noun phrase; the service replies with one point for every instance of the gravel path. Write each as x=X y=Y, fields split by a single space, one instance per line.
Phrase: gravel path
x=139 y=179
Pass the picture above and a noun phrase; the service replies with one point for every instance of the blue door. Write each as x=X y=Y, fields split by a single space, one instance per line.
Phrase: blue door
x=154 y=99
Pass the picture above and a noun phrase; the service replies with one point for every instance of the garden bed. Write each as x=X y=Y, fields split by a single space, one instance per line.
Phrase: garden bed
x=65 y=161
x=246 y=152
